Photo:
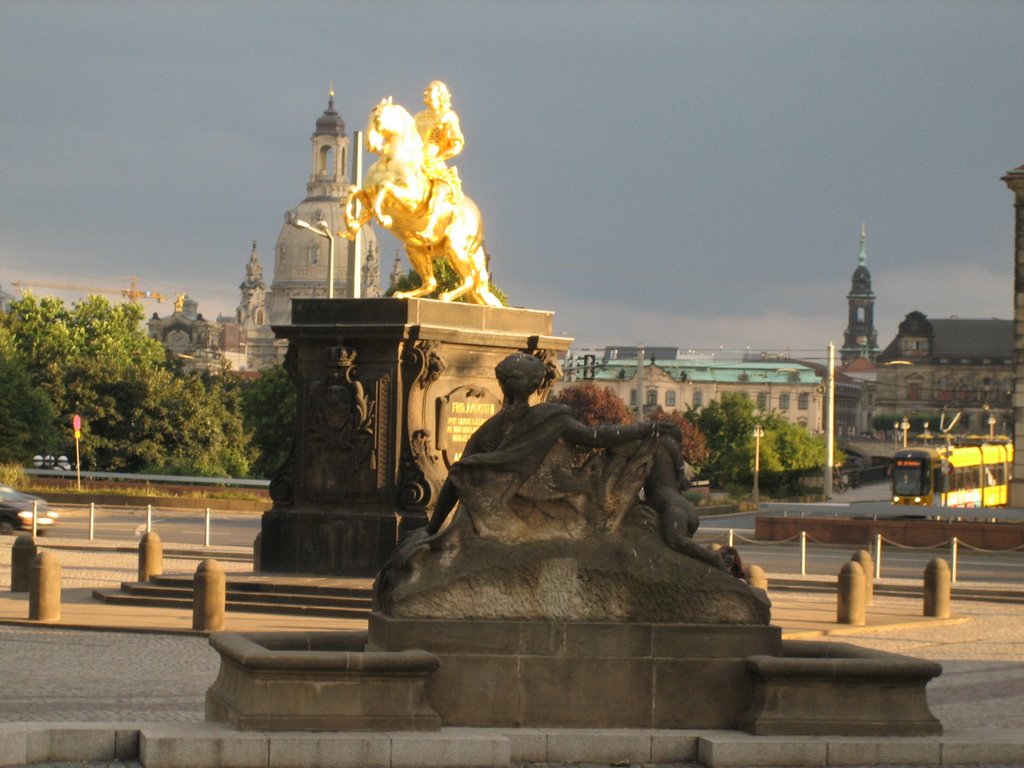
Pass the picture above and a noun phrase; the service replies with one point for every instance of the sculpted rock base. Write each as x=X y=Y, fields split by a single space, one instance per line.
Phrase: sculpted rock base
x=629 y=577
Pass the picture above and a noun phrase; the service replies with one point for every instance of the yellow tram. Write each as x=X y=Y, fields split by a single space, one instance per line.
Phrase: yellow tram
x=970 y=475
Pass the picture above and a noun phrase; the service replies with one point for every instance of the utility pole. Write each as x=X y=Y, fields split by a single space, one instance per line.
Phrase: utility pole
x=355 y=246
x=830 y=423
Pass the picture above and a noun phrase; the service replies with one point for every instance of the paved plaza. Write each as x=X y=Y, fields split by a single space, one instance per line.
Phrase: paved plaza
x=55 y=674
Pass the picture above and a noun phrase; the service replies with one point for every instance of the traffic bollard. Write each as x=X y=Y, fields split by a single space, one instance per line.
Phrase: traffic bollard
x=23 y=552
x=209 y=592
x=756 y=577
x=850 y=607
x=863 y=557
x=937 y=589
x=44 y=591
x=151 y=556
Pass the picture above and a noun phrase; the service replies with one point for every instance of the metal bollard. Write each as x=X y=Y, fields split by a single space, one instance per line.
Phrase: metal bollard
x=151 y=556
x=92 y=521
x=863 y=557
x=206 y=528
x=23 y=552
x=850 y=595
x=44 y=591
x=208 y=597
x=937 y=589
x=256 y=556
x=756 y=577
x=803 y=553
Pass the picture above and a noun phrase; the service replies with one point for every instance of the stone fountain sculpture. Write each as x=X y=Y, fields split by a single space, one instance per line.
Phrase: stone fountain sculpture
x=525 y=531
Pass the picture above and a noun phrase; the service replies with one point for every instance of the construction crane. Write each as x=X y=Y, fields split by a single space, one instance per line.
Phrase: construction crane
x=133 y=293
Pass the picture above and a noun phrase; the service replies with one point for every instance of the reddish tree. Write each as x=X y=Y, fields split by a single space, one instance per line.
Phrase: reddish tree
x=695 y=445
x=593 y=404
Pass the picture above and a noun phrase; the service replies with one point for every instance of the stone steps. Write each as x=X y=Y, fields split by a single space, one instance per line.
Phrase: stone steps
x=258 y=593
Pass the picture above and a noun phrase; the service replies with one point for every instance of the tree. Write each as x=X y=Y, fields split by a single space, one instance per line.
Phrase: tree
x=26 y=413
x=447 y=279
x=694 y=444
x=139 y=413
x=268 y=407
x=593 y=404
x=788 y=451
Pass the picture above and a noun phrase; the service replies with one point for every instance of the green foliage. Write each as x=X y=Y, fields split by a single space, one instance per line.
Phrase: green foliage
x=26 y=413
x=139 y=413
x=268 y=405
x=593 y=404
x=447 y=279
x=788 y=451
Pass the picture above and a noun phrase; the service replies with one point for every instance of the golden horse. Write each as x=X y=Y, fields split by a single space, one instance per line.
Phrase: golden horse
x=396 y=191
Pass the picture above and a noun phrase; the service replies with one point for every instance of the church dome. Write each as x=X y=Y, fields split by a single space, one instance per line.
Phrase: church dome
x=330 y=121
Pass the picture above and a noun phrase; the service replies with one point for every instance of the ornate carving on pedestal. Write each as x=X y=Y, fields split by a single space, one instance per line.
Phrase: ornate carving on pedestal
x=421 y=476
x=424 y=361
x=339 y=423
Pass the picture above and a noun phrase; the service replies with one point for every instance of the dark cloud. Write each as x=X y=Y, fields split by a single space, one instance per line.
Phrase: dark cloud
x=652 y=169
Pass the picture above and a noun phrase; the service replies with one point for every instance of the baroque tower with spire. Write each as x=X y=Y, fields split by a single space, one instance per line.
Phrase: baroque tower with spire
x=860 y=338
x=302 y=257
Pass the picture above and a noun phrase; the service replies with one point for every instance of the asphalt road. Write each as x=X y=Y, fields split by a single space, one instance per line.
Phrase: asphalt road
x=239 y=529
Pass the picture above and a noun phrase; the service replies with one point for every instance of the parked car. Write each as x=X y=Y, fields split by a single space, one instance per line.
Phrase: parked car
x=16 y=512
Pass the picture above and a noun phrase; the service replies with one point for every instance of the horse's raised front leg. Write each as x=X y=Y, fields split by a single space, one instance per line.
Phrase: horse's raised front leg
x=354 y=222
x=378 y=205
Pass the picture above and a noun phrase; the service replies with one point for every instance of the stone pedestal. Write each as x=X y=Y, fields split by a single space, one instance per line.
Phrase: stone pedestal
x=389 y=390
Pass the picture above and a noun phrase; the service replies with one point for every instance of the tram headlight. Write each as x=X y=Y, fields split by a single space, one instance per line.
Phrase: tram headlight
x=895 y=499
x=917 y=499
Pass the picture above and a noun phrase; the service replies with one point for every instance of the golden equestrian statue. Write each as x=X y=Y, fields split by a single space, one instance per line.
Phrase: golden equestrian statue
x=412 y=192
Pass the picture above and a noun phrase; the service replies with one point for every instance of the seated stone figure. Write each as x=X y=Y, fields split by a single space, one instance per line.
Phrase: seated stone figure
x=520 y=531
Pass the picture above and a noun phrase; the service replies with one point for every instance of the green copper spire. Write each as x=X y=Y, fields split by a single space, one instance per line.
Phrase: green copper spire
x=863 y=235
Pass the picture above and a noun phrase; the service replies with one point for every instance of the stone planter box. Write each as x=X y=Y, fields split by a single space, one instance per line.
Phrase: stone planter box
x=837 y=688
x=318 y=681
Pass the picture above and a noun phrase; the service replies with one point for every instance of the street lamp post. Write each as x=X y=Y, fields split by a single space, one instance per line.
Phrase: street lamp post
x=991 y=427
x=758 y=434
x=323 y=230
x=895 y=435
x=904 y=425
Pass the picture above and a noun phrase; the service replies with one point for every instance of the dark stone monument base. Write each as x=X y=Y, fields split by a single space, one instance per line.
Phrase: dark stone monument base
x=329 y=542
x=388 y=392
x=582 y=675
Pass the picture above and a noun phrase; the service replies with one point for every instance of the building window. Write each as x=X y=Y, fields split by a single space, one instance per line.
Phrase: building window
x=632 y=397
x=945 y=389
x=652 y=397
x=670 y=398
x=913 y=390
x=762 y=400
x=313 y=252
x=784 y=402
x=698 y=398
x=280 y=255
x=802 y=400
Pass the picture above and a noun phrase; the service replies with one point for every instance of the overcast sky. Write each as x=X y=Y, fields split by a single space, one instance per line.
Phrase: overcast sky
x=688 y=174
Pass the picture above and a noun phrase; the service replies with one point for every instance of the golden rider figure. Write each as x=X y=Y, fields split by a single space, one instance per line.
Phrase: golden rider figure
x=438 y=126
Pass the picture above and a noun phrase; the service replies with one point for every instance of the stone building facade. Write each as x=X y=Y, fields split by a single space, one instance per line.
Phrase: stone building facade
x=793 y=390
x=951 y=365
x=1015 y=181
